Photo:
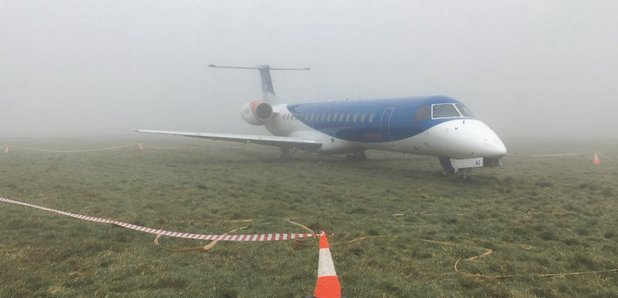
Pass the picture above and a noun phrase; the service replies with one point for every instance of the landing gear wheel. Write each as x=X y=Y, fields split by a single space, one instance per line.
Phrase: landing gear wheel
x=445 y=162
x=464 y=175
x=356 y=156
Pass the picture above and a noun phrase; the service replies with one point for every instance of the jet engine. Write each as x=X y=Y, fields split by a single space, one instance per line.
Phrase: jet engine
x=256 y=112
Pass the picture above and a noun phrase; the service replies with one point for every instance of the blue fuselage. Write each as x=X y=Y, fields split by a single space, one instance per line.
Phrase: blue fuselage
x=373 y=121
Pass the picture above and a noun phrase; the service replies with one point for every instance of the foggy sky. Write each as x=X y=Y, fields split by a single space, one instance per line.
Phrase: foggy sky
x=526 y=68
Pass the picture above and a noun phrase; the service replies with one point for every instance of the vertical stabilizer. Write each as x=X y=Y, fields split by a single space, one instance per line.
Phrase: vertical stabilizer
x=268 y=92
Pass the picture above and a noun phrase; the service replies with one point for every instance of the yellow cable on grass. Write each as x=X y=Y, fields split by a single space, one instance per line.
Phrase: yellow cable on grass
x=300 y=225
x=489 y=251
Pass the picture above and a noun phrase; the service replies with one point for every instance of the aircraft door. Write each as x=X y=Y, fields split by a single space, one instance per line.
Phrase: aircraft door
x=385 y=122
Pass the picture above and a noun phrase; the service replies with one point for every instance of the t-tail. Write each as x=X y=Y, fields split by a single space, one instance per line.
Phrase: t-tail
x=268 y=92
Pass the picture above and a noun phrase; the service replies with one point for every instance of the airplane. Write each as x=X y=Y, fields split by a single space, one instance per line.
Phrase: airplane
x=437 y=126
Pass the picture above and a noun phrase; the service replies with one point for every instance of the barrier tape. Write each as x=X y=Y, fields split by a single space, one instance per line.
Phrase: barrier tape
x=78 y=151
x=562 y=154
x=140 y=146
x=224 y=237
x=570 y=154
x=607 y=157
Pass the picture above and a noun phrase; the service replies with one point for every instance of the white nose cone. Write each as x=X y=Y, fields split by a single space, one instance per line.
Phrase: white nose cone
x=479 y=139
x=494 y=145
x=466 y=138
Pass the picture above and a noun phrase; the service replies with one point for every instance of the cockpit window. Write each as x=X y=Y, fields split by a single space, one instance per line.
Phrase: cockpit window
x=464 y=110
x=445 y=110
x=422 y=113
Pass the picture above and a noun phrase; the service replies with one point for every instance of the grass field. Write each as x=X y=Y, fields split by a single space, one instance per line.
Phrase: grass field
x=533 y=216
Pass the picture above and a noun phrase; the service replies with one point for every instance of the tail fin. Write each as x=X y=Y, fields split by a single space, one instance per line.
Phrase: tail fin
x=268 y=92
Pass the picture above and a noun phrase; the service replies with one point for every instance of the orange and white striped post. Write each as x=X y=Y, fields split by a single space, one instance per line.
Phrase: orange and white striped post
x=596 y=160
x=327 y=285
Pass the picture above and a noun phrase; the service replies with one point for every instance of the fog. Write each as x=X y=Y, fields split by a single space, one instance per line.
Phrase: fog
x=538 y=69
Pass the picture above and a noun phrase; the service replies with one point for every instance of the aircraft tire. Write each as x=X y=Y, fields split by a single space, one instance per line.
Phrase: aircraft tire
x=356 y=156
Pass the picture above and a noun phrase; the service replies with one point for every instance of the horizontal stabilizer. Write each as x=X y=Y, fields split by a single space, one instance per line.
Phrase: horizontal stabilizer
x=268 y=91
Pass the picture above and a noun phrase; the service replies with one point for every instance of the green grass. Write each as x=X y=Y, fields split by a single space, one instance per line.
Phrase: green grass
x=538 y=215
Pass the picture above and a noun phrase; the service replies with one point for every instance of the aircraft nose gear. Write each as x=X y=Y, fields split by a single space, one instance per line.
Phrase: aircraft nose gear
x=464 y=174
x=448 y=168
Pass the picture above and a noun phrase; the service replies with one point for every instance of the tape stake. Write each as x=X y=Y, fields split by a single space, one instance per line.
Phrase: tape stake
x=161 y=232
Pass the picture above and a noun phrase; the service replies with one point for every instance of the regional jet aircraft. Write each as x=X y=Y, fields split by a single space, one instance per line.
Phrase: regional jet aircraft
x=437 y=126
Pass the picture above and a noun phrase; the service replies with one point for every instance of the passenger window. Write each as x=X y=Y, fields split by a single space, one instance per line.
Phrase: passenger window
x=355 y=117
x=444 y=111
x=347 y=117
x=371 y=116
x=422 y=113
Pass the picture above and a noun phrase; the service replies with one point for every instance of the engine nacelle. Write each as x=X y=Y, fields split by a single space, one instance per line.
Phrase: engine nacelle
x=256 y=112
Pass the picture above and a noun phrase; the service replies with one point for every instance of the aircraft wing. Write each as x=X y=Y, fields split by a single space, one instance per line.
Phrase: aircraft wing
x=241 y=138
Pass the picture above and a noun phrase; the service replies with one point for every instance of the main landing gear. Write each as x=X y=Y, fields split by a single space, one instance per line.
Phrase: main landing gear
x=356 y=156
x=286 y=153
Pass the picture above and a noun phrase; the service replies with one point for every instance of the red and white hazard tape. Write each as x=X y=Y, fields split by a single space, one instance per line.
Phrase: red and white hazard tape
x=569 y=154
x=247 y=237
x=140 y=146
x=78 y=151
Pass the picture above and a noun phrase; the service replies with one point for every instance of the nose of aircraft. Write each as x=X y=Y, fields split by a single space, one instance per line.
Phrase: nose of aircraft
x=495 y=144
x=489 y=144
x=468 y=138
